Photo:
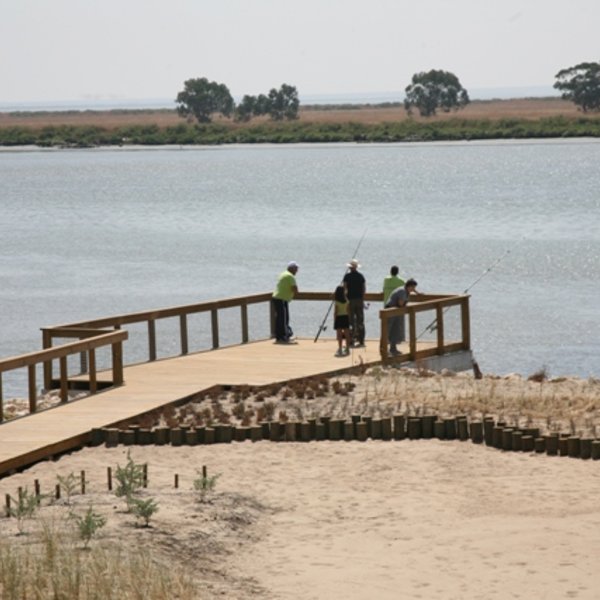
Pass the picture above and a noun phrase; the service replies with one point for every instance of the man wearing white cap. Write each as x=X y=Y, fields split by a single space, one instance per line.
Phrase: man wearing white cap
x=284 y=292
x=355 y=285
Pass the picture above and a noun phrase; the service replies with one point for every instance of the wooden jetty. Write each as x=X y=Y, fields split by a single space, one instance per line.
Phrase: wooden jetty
x=125 y=392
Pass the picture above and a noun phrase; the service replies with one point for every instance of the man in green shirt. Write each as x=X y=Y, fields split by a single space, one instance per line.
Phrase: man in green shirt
x=390 y=283
x=284 y=292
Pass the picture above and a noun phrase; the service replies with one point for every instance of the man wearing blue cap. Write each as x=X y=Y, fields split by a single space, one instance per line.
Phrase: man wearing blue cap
x=284 y=292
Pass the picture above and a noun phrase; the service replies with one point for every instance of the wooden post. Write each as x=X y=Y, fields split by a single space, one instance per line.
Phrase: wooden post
x=1 y=401
x=414 y=426
x=47 y=343
x=93 y=374
x=383 y=339
x=439 y=316
x=109 y=478
x=57 y=492
x=427 y=422
x=117 y=363
x=151 y=339
x=465 y=323
x=32 y=390
x=272 y=318
x=145 y=475
x=412 y=320
x=214 y=324
x=7 y=501
x=399 y=427
x=476 y=432
x=574 y=446
x=439 y=430
x=176 y=481
x=244 y=311
x=82 y=482
x=488 y=430
x=204 y=472
x=64 y=387
x=36 y=487
x=183 y=333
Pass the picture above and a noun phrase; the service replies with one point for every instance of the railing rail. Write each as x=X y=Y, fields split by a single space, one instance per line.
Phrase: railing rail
x=89 y=345
x=423 y=303
x=93 y=334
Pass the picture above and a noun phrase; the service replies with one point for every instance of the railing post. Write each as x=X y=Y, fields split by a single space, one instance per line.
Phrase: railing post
x=93 y=378
x=47 y=343
x=439 y=317
x=271 y=317
x=117 y=363
x=151 y=339
x=64 y=388
x=214 y=321
x=83 y=363
x=32 y=390
x=383 y=338
x=412 y=321
x=244 y=311
x=465 y=323
x=183 y=333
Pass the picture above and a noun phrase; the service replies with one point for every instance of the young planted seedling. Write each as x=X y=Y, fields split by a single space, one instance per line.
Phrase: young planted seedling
x=88 y=525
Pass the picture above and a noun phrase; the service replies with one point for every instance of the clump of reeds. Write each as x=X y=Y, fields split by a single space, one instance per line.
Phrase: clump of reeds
x=54 y=565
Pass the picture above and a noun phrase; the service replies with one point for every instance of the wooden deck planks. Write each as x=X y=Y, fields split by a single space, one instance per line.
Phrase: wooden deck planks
x=154 y=384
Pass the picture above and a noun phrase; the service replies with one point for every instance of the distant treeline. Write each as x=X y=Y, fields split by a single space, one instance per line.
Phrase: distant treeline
x=297 y=132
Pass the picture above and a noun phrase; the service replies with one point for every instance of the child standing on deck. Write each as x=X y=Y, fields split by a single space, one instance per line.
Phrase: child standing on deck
x=341 y=322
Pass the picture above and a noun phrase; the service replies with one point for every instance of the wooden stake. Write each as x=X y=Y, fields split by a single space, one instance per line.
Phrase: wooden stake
x=7 y=497
x=176 y=483
x=109 y=478
x=145 y=475
x=204 y=472
x=57 y=492
x=82 y=482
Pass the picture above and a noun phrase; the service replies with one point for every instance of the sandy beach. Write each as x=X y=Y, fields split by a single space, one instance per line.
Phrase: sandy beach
x=420 y=519
x=375 y=519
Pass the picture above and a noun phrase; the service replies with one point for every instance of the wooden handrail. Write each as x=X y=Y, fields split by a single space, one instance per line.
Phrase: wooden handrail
x=47 y=355
x=34 y=358
x=439 y=305
x=92 y=335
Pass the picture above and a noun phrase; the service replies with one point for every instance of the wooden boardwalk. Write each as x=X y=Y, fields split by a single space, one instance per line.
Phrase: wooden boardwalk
x=158 y=383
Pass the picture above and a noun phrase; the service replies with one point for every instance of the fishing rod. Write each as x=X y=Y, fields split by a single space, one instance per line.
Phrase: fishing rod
x=322 y=326
x=433 y=325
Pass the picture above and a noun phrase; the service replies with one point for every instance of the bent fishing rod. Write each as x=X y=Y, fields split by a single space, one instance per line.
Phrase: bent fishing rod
x=433 y=325
x=322 y=326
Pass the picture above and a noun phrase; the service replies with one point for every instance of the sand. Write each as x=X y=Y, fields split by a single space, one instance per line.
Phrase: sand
x=409 y=519
x=397 y=519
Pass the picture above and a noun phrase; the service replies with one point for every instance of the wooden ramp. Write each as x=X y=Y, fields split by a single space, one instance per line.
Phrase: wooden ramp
x=155 y=384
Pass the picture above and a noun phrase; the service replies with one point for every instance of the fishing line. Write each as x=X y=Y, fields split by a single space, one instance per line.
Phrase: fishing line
x=322 y=326
x=433 y=325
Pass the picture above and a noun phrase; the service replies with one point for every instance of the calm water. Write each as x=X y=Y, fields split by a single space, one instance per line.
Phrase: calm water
x=98 y=232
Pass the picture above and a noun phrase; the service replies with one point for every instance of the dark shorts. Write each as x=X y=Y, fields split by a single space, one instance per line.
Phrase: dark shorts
x=341 y=322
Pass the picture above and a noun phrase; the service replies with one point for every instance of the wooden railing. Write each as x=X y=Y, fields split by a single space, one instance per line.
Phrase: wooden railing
x=93 y=334
x=438 y=305
x=89 y=346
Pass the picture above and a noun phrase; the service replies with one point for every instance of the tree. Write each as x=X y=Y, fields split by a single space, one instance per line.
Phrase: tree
x=201 y=98
x=581 y=84
x=245 y=109
x=435 y=89
x=283 y=103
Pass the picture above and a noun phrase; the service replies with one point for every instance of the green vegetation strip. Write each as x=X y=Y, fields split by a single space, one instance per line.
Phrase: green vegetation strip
x=300 y=132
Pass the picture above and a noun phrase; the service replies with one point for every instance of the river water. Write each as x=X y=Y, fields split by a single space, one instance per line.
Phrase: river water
x=88 y=233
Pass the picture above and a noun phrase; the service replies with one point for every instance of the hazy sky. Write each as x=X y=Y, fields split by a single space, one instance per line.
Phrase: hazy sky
x=145 y=49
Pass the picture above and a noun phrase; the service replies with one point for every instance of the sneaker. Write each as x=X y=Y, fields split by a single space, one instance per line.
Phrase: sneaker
x=346 y=351
x=395 y=352
x=339 y=352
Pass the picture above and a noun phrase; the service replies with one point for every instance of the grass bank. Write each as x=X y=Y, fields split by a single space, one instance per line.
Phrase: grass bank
x=299 y=132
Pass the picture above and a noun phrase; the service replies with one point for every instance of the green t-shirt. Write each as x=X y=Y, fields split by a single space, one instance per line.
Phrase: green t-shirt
x=285 y=287
x=341 y=308
x=390 y=283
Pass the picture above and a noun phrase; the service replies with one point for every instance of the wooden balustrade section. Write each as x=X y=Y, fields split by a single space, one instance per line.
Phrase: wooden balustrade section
x=94 y=334
x=88 y=345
